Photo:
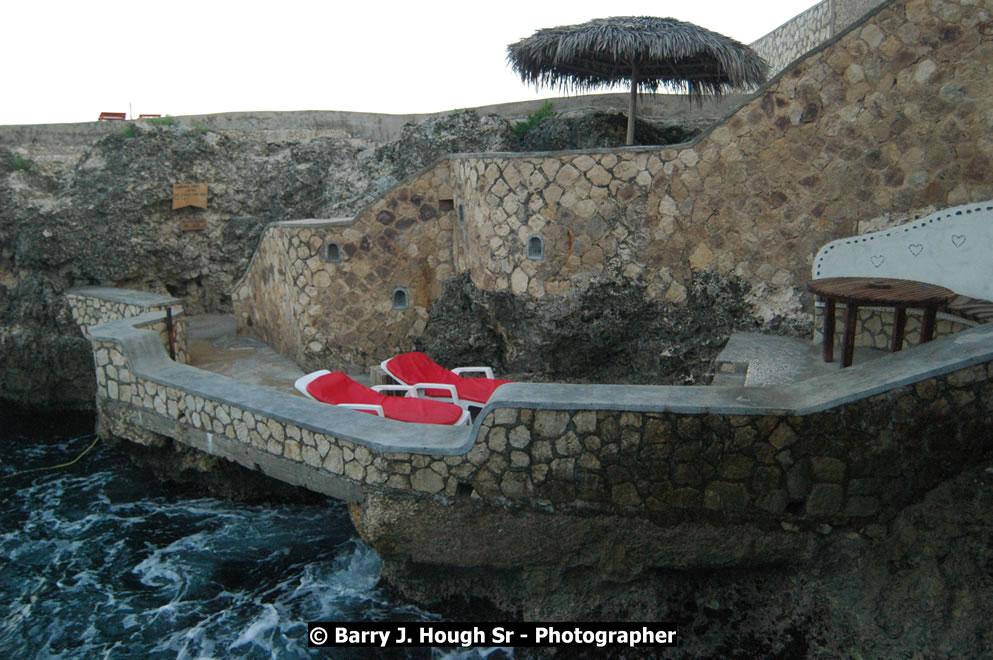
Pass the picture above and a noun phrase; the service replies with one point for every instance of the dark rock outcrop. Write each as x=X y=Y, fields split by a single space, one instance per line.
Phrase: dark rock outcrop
x=101 y=214
x=598 y=129
x=607 y=331
x=920 y=585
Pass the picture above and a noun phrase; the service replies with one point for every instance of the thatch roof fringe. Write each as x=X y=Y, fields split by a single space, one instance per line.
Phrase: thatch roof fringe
x=665 y=52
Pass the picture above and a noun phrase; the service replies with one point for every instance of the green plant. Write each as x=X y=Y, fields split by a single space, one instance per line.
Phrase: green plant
x=522 y=127
x=129 y=131
x=198 y=126
x=162 y=121
x=20 y=163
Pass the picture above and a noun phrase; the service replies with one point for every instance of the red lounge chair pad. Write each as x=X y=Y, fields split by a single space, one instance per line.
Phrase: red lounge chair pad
x=338 y=388
x=478 y=389
x=416 y=367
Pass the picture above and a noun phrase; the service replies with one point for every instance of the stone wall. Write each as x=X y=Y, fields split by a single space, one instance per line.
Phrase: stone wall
x=800 y=34
x=842 y=135
x=810 y=29
x=322 y=292
x=92 y=306
x=886 y=118
x=874 y=326
x=846 y=463
x=842 y=448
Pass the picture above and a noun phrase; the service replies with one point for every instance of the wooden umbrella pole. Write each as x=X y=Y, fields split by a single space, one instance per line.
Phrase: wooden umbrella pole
x=632 y=103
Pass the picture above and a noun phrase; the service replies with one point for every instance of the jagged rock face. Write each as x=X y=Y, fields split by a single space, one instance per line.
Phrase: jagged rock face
x=459 y=132
x=104 y=217
x=607 y=331
x=599 y=129
x=107 y=219
x=922 y=586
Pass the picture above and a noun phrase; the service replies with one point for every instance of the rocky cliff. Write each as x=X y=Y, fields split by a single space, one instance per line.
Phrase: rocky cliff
x=917 y=587
x=77 y=211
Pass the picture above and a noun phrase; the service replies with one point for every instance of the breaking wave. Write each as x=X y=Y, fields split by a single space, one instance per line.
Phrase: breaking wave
x=101 y=560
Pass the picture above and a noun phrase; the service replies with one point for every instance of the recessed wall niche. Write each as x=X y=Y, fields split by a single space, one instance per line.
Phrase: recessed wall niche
x=536 y=247
x=400 y=299
x=330 y=252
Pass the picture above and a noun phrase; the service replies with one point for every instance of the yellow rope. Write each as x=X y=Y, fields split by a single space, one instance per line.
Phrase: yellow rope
x=55 y=467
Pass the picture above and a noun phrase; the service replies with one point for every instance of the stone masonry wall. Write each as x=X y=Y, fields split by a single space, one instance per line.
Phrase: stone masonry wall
x=851 y=462
x=810 y=29
x=800 y=34
x=856 y=461
x=874 y=327
x=887 y=118
x=89 y=309
x=322 y=292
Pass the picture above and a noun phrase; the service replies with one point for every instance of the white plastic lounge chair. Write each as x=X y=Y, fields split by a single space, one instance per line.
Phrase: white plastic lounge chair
x=338 y=389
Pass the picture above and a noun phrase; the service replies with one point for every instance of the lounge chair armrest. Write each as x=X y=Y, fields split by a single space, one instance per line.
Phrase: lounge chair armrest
x=486 y=371
x=421 y=389
x=409 y=390
x=369 y=407
x=303 y=381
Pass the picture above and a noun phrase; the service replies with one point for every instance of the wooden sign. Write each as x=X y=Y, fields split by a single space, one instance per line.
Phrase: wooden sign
x=189 y=194
x=193 y=224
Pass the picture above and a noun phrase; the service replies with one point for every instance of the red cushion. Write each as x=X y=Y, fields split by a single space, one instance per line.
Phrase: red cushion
x=416 y=367
x=337 y=388
x=425 y=411
x=479 y=389
x=413 y=368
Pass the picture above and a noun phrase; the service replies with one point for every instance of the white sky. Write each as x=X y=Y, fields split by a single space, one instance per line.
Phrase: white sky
x=66 y=61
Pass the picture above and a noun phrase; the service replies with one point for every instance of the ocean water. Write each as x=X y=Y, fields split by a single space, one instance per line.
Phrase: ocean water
x=101 y=560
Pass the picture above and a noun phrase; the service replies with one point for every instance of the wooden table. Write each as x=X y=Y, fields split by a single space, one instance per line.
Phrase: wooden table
x=883 y=292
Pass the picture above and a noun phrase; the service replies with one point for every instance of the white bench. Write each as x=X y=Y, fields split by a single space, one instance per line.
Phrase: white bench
x=952 y=248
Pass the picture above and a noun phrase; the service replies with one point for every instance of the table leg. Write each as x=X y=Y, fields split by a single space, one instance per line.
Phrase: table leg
x=899 y=325
x=851 y=316
x=928 y=323
x=828 y=342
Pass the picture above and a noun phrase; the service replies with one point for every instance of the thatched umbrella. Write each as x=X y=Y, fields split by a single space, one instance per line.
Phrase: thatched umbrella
x=649 y=52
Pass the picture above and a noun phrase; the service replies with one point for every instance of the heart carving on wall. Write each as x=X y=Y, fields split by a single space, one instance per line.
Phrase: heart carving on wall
x=915 y=248
x=877 y=260
x=958 y=240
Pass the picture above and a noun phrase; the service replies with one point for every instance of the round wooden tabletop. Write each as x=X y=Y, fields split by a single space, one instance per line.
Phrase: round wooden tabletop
x=880 y=291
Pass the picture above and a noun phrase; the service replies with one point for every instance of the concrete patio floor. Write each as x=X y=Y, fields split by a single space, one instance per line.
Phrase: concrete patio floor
x=749 y=359
x=214 y=345
x=756 y=360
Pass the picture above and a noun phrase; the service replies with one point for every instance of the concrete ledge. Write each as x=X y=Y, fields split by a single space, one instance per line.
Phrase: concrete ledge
x=860 y=381
x=941 y=356
x=125 y=296
x=854 y=444
x=148 y=360
x=314 y=222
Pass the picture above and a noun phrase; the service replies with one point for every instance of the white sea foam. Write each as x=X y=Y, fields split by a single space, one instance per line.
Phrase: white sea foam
x=100 y=561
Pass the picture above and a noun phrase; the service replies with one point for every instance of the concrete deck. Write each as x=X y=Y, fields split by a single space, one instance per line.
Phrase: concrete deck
x=751 y=359
x=214 y=345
